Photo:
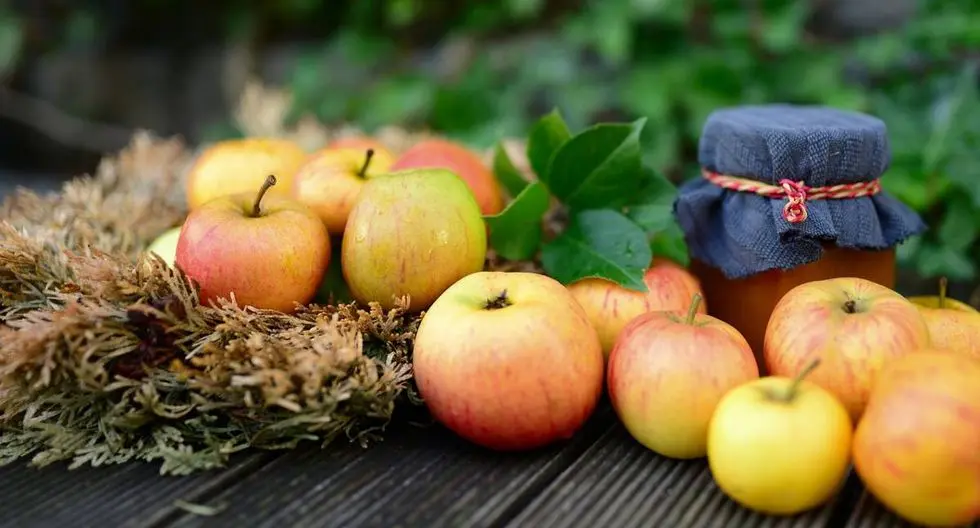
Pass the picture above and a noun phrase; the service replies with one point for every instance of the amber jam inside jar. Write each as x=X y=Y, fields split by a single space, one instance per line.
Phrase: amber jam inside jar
x=747 y=303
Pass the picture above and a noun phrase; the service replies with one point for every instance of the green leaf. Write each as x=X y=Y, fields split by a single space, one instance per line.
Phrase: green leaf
x=653 y=205
x=333 y=288
x=959 y=226
x=599 y=243
x=515 y=232
x=548 y=135
x=670 y=243
x=601 y=167
x=506 y=173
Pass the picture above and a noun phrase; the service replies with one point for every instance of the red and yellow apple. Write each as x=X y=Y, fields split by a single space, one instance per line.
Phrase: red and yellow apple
x=917 y=448
x=853 y=326
x=779 y=445
x=508 y=361
x=667 y=373
x=240 y=166
x=953 y=325
x=447 y=154
x=611 y=306
x=269 y=251
x=331 y=180
x=414 y=233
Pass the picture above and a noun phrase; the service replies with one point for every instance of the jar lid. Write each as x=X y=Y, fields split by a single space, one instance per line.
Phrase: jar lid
x=818 y=145
x=781 y=180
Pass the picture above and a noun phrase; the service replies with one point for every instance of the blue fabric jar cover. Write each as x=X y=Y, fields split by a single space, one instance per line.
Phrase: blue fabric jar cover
x=744 y=233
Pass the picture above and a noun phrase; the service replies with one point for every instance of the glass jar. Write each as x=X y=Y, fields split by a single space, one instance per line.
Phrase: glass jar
x=788 y=194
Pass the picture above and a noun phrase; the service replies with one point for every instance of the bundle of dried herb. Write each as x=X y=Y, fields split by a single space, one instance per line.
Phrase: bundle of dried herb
x=107 y=355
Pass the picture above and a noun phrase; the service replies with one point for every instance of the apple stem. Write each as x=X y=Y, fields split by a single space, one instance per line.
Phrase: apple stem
x=943 y=285
x=850 y=306
x=692 y=310
x=367 y=161
x=794 y=386
x=257 y=207
x=498 y=302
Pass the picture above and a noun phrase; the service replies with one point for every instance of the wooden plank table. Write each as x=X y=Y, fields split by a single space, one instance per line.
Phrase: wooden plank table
x=419 y=476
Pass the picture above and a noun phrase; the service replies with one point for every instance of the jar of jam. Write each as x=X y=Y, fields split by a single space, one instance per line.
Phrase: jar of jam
x=788 y=194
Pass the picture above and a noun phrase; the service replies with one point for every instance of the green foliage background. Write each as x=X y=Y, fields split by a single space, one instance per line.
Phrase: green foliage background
x=669 y=61
x=673 y=62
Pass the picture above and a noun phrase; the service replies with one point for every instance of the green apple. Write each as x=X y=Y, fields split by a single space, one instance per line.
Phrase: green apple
x=412 y=233
x=165 y=245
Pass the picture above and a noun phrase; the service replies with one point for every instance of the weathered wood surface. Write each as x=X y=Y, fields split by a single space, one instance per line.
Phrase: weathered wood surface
x=419 y=476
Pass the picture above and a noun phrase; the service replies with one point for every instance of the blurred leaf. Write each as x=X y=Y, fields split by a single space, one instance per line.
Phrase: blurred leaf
x=505 y=172
x=11 y=38
x=515 y=232
x=670 y=243
x=599 y=243
x=396 y=100
x=600 y=167
x=524 y=9
x=947 y=119
x=960 y=225
x=936 y=261
x=781 y=30
x=546 y=137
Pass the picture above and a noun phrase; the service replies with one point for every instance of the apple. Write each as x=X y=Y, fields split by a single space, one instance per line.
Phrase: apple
x=953 y=325
x=165 y=245
x=414 y=233
x=331 y=180
x=240 y=166
x=780 y=446
x=667 y=373
x=270 y=251
x=611 y=306
x=917 y=448
x=853 y=325
x=508 y=361
x=443 y=153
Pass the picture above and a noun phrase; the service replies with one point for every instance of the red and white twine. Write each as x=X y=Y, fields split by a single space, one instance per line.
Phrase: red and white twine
x=796 y=192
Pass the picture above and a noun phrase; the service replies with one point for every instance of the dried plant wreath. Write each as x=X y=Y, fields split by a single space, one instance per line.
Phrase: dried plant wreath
x=107 y=355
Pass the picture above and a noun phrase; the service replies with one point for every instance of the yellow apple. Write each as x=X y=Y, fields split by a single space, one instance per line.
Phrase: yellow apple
x=240 y=166
x=853 y=325
x=165 y=245
x=414 y=233
x=917 y=448
x=331 y=180
x=508 y=360
x=667 y=373
x=779 y=445
x=271 y=252
x=954 y=326
x=610 y=306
